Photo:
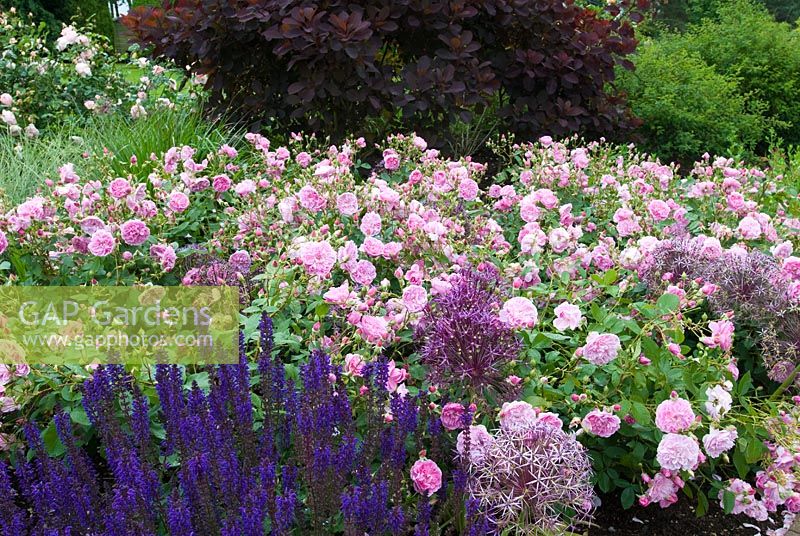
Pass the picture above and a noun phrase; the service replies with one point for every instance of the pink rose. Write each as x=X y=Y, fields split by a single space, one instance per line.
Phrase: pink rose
x=338 y=295
x=353 y=364
x=347 y=203
x=21 y=370
x=221 y=183
x=721 y=335
x=674 y=415
x=662 y=489
x=749 y=228
x=245 y=188
x=658 y=209
x=791 y=267
x=519 y=312
x=178 y=202
x=479 y=442
x=311 y=199
x=165 y=254
x=395 y=376
x=391 y=160
x=517 y=415
x=372 y=246
x=3 y=242
x=568 y=316
x=601 y=349
x=415 y=298
x=601 y=423
x=550 y=418
x=119 y=188
x=715 y=442
x=374 y=329
x=318 y=258
x=363 y=272
x=370 y=224
x=678 y=452
x=426 y=476
x=468 y=189
x=452 y=414
x=102 y=243
x=134 y=232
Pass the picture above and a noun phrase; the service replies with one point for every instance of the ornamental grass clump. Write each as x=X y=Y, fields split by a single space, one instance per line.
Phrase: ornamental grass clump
x=532 y=480
x=465 y=342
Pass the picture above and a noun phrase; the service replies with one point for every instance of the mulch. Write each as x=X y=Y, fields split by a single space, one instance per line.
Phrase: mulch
x=680 y=519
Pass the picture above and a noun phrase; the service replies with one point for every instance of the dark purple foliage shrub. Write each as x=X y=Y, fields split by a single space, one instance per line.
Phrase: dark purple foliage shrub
x=464 y=340
x=544 y=67
x=224 y=469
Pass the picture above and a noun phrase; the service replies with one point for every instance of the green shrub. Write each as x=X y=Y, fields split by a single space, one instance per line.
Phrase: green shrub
x=687 y=108
x=747 y=43
x=54 y=13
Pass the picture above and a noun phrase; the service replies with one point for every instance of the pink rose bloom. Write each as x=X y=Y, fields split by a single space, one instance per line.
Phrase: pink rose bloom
x=600 y=423
x=546 y=197
x=550 y=418
x=791 y=267
x=677 y=452
x=468 y=189
x=479 y=442
x=559 y=239
x=749 y=228
x=721 y=335
x=568 y=316
x=415 y=298
x=178 y=202
x=519 y=313
x=580 y=158
x=426 y=476
x=601 y=349
x=353 y=364
x=363 y=272
x=102 y=243
x=338 y=295
x=372 y=246
x=240 y=260
x=5 y=374
x=134 y=232
x=715 y=442
x=347 y=203
x=7 y=404
x=165 y=254
x=3 y=242
x=662 y=489
x=119 y=188
x=528 y=210
x=311 y=199
x=517 y=415
x=221 y=183
x=391 y=160
x=318 y=258
x=674 y=415
x=370 y=224
x=451 y=416
x=658 y=209
x=374 y=329
x=21 y=370
x=395 y=376
x=303 y=159
x=245 y=188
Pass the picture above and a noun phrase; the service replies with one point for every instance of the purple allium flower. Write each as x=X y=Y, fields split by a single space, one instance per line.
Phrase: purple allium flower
x=681 y=258
x=530 y=479
x=781 y=347
x=464 y=339
x=752 y=285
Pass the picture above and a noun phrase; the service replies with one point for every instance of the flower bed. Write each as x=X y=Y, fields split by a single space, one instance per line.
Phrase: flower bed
x=427 y=346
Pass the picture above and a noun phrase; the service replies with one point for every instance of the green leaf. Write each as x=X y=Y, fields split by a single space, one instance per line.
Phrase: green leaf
x=739 y=461
x=627 y=498
x=728 y=501
x=609 y=277
x=754 y=451
x=640 y=413
x=702 y=504
x=668 y=303
x=322 y=310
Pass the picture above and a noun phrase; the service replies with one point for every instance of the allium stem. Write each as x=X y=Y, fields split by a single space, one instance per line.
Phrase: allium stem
x=785 y=385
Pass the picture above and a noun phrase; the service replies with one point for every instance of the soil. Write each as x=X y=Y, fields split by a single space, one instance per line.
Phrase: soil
x=679 y=519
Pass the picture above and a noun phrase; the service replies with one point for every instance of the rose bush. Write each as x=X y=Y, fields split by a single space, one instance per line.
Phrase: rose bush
x=586 y=287
x=44 y=83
